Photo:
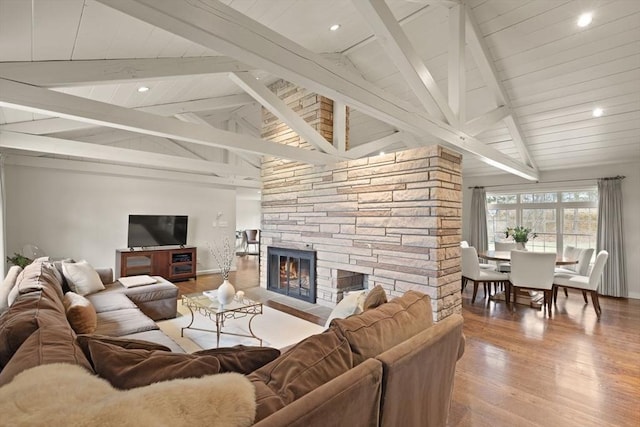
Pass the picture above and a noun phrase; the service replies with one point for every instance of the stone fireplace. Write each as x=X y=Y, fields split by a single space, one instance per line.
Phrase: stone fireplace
x=292 y=272
x=392 y=220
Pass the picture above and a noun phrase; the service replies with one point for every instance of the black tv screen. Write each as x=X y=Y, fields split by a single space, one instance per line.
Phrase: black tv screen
x=157 y=230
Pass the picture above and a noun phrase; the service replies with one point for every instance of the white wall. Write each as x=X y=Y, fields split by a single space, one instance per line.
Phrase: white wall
x=85 y=216
x=630 y=193
x=247 y=214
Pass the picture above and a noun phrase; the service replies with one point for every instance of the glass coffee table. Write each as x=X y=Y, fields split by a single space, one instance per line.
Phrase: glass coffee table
x=210 y=307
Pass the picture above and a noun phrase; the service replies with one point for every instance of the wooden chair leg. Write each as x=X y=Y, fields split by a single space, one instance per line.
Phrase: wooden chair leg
x=555 y=294
x=547 y=297
x=475 y=292
x=596 y=303
x=584 y=295
x=566 y=294
x=464 y=283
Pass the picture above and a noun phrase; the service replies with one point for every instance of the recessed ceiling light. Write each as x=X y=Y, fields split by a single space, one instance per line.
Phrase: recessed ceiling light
x=334 y=27
x=585 y=19
x=597 y=112
x=143 y=89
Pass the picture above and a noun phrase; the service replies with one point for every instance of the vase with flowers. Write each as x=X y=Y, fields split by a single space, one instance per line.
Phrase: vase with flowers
x=224 y=258
x=520 y=235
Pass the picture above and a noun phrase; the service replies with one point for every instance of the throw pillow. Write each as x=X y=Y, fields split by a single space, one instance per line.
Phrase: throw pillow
x=309 y=364
x=67 y=395
x=241 y=359
x=80 y=313
x=133 y=281
x=130 y=368
x=82 y=277
x=376 y=297
x=7 y=285
x=49 y=344
x=126 y=343
x=350 y=304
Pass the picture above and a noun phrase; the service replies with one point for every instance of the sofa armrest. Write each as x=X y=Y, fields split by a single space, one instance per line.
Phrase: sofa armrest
x=351 y=399
x=423 y=367
x=106 y=275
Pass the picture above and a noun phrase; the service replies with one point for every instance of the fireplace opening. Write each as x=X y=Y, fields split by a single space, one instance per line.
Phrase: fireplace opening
x=292 y=272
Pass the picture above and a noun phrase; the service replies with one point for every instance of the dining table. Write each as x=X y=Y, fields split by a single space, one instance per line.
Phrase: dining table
x=525 y=296
x=505 y=256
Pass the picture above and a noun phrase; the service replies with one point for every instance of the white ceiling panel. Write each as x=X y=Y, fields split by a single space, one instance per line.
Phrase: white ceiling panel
x=553 y=72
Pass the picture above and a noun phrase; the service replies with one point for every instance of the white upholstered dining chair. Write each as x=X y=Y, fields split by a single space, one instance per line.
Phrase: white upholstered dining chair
x=504 y=267
x=589 y=283
x=532 y=270
x=471 y=271
x=581 y=268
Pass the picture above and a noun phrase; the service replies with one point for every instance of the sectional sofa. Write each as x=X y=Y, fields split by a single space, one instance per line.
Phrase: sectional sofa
x=389 y=366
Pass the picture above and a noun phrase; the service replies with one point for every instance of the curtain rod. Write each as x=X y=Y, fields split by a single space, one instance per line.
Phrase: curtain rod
x=551 y=182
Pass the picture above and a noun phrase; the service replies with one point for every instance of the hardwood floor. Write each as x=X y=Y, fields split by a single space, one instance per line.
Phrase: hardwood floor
x=521 y=368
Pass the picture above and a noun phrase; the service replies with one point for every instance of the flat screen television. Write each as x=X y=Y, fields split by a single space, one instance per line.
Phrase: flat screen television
x=157 y=230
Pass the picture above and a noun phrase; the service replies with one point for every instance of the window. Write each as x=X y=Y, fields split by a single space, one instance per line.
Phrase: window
x=559 y=218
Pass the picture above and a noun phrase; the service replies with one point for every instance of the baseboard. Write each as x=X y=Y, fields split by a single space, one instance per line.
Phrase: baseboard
x=634 y=295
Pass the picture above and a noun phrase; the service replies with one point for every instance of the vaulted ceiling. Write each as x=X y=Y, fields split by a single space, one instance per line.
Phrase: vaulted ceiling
x=511 y=84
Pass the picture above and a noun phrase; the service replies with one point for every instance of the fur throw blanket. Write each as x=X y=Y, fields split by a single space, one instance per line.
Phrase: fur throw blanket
x=68 y=395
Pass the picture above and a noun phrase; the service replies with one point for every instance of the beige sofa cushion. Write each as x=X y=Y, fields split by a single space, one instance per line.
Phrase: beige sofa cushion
x=110 y=301
x=49 y=344
x=306 y=366
x=377 y=330
x=80 y=313
x=7 y=285
x=123 y=322
x=131 y=368
x=67 y=395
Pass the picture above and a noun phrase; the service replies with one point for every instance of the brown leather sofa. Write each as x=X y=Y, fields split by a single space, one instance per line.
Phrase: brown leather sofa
x=388 y=366
x=402 y=374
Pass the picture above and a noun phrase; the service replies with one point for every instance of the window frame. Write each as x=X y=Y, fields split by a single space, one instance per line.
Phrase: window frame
x=558 y=206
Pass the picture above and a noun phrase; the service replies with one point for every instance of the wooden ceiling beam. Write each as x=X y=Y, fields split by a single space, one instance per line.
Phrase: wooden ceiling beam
x=57 y=125
x=481 y=123
x=277 y=106
x=107 y=71
x=44 y=101
x=138 y=171
x=77 y=149
x=487 y=68
x=396 y=44
x=220 y=27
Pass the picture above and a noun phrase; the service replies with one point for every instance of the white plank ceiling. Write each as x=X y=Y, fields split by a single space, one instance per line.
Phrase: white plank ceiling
x=531 y=78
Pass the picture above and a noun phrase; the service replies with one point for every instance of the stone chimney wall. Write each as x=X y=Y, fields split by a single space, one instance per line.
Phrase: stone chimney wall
x=395 y=218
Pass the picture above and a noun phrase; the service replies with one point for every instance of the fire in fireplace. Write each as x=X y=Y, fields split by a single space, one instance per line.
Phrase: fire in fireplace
x=292 y=272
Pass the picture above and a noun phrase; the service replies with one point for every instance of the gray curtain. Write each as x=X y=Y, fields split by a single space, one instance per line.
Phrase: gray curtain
x=611 y=237
x=478 y=234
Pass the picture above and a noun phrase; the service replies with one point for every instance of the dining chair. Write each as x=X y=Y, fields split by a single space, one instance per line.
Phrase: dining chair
x=471 y=271
x=581 y=268
x=465 y=244
x=532 y=270
x=252 y=239
x=504 y=267
x=590 y=282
